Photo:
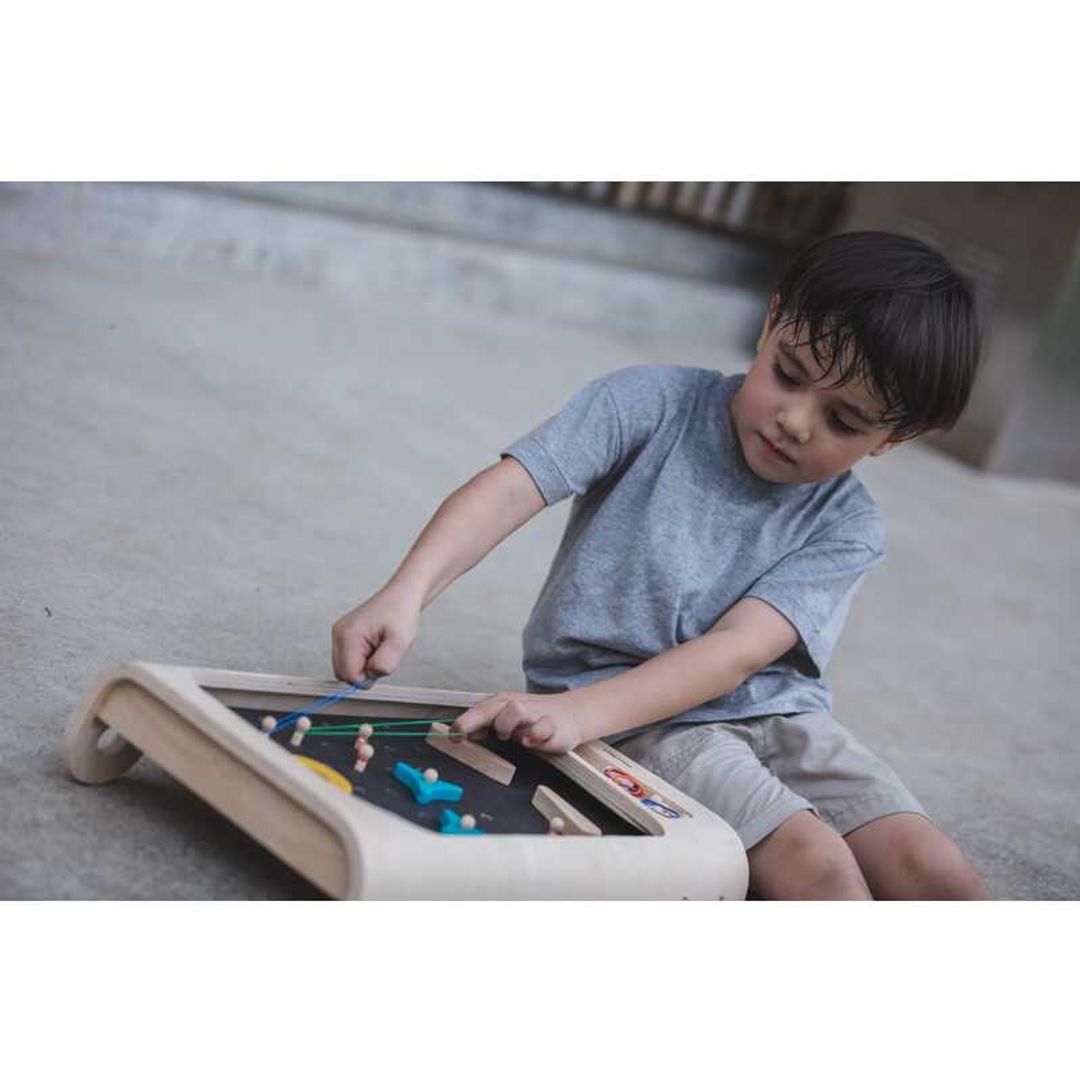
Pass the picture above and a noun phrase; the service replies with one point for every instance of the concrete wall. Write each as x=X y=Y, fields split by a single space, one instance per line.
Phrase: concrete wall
x=531 y=220
x=1018 y=242
x=1041 y=432
x=469 y=248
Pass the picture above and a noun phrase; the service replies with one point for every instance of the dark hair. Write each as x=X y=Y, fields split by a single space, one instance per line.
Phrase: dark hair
x=893 y=311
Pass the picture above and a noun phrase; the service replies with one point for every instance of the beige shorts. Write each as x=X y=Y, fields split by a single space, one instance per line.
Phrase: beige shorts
x=756 y=773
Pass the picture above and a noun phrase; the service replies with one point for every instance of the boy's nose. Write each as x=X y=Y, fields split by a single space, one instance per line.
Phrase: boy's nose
x=793 y=425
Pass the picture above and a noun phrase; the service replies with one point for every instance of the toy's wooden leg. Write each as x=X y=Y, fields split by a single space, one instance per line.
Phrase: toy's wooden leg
x=311 y=840
x=95 y=753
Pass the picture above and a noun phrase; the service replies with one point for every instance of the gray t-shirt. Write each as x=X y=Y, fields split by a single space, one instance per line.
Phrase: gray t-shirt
x=670 y=528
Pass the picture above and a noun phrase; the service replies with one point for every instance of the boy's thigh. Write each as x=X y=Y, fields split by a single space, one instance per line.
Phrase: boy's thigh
x=818 y=758
x=719 y=766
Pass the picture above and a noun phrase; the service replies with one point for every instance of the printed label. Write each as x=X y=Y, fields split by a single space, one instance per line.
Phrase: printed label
x=660 y=808
x=644 y=794
x=627 y=782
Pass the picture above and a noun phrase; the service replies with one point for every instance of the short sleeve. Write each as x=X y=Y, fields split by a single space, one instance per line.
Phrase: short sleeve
x=813 y=587
x=598 y=429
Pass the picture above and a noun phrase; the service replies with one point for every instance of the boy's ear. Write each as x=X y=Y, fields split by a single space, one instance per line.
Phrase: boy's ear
x=888 y=444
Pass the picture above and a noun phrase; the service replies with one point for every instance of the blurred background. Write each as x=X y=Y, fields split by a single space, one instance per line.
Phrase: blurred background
x=227 y=409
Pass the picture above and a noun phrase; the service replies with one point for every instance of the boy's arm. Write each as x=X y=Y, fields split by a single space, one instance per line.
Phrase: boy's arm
x=468 y=524
x=749 y=636
x=373 y=638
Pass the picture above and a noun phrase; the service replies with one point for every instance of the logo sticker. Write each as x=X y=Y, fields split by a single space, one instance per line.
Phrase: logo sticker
x=628 y=783
x=633 y=786
x=661 y=808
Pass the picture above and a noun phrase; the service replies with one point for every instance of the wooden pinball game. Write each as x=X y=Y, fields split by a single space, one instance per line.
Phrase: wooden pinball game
x=370 y=796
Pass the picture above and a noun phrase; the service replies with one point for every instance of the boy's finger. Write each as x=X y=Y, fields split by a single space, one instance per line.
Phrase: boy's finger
x=478 y=716
x=349 y=657
x=360 y=666
x=385 y=659
x=508 y=721
x=347 y=669
x=539 y=732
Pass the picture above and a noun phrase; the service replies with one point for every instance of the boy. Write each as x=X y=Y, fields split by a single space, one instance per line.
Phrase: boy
x=713 y=548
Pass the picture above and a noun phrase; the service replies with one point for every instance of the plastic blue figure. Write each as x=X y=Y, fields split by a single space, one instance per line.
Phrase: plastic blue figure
x=451 y=824
x=425 y=791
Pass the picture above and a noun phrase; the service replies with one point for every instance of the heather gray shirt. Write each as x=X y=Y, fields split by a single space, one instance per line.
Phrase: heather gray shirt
x=669 y=528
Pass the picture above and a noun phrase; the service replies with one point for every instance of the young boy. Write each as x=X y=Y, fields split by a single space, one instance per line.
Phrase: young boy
x=714 y=545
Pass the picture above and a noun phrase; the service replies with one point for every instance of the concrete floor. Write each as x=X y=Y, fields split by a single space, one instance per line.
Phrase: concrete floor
x=209 y=456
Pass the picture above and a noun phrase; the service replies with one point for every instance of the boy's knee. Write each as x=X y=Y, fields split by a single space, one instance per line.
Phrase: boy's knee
x=825 y=872
x=805 y=860
x=905 y=857
x=933 y=868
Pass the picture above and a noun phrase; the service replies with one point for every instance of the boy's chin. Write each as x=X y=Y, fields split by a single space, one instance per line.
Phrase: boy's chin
x=783 y=472
x=774 y=476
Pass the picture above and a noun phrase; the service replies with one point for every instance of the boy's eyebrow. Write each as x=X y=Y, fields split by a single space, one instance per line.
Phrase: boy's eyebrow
x=859 y=414
x=792 y=357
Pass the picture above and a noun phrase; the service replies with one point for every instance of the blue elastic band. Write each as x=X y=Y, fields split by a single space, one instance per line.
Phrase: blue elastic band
x=287 y=722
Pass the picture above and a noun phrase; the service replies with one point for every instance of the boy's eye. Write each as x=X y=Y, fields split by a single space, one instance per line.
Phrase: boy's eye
x=784 y=377
x=839 y=424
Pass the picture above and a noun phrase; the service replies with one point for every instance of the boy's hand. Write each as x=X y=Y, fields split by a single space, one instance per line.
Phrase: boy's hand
x=373 y=638
x=554 y=723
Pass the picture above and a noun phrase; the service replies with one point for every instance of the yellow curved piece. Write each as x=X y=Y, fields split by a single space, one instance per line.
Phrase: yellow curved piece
x=325 y=772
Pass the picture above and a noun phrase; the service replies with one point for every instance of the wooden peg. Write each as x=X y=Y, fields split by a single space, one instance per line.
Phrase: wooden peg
x=364 y=753
x=554 y=807
x=303 y=726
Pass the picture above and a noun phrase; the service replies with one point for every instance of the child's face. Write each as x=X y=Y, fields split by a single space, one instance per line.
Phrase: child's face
x=796 y=427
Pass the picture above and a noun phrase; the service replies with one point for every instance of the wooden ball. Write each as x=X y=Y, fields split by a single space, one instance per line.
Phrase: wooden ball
x=365 y=751
x=268 y=724
x=431 y=775
x=557 y=825
x=304 y=723
x=468 y=821
x=366 y=731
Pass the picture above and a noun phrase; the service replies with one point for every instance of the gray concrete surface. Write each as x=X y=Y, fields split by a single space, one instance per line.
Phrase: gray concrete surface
x=221 y=425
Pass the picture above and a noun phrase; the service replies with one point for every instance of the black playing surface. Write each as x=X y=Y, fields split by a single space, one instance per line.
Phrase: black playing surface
x=498 y=808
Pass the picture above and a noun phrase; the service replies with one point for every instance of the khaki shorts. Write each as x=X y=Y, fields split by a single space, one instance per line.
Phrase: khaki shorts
x=756 y=773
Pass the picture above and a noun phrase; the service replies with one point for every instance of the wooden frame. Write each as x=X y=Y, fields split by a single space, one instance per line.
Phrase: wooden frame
x=350 y=848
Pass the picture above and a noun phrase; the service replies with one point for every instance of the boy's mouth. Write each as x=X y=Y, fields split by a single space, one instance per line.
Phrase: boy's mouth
x=775 y=451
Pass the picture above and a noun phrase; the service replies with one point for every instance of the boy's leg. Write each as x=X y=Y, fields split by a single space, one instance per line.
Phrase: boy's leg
x=805 y=859
x=900 y=853
x=905 y=857
x=791 y=852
